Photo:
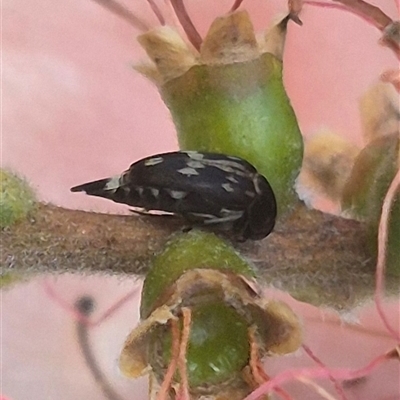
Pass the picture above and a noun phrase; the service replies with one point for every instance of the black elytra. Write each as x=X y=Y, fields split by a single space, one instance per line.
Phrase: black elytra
x=218 y=191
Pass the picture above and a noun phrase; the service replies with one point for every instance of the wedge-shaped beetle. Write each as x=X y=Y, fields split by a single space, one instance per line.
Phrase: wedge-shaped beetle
x=207 y=189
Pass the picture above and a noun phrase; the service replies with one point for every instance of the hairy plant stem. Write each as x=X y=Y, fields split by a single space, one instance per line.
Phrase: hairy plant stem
x=317 y=257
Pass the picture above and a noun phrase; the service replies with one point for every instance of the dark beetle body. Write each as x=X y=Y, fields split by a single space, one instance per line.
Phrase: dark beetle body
x=206 y=189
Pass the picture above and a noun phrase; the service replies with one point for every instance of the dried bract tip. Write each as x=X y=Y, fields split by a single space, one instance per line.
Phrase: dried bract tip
x=288 y=336
x=327 y=164
x=380 y=114
x=168 y=51
x=150 y=71
x=392 y=33
x=296 y=19
x=231 y=38
x=133 y=359
x=295 y=7
x=274 y=39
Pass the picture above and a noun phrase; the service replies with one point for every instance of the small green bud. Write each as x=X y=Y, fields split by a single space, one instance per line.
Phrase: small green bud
x=17 y=199
x=365 y=190
x=196 y=249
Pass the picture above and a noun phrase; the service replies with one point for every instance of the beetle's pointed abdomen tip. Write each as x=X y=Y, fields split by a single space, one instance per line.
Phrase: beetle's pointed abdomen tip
x=92 y=188
x=78 y=188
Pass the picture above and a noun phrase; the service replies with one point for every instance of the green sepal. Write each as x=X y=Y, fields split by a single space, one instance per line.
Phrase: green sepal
x=218 y=347
x=196 y=249
x=240 y=109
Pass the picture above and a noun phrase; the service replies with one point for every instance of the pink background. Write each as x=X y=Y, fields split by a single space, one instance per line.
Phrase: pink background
x=74 y=110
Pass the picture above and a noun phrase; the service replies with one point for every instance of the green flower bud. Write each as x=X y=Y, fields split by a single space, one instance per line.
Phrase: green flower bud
x=230 y=97
x=365 y=190
x=200 y=272
x=17 y=199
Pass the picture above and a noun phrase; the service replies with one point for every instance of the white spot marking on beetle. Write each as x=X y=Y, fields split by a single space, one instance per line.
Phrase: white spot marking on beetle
x=188 y=171
x=194 y=155
x=205 y=216
x=177 y=194
x=154 y=192
x=232 y=179
x=143 y=211
x=232 y=167
x=226 y=212
x=113 y=183
x=232 y=216
x=153 y=161
x=195 y=164
x=256 y=182
x=249 y=193
x=228 y=187
x=139 y=189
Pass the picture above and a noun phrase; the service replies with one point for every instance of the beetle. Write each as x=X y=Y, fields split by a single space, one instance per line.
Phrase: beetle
x=212 y=190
